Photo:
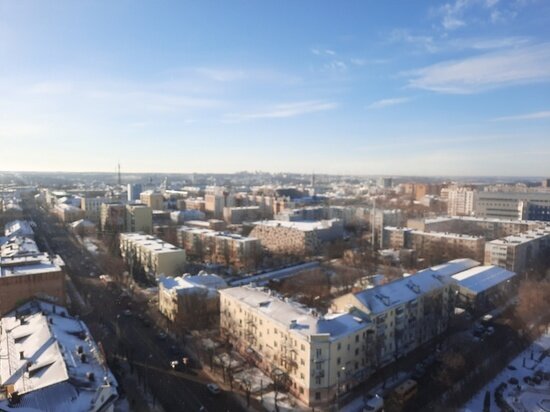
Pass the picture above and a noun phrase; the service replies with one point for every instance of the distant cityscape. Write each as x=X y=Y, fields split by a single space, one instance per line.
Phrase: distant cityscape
x=254 y=291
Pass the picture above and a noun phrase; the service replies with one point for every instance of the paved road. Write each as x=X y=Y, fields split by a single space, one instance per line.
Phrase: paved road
x=127 y=335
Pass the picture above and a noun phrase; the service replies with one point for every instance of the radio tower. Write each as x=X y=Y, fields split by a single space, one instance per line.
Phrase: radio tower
x=119 y=177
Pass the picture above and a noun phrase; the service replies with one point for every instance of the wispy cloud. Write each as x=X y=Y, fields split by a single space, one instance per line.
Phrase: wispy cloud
x=460 y=13
x=475 y=74
x=323 y=52
x=388 y=102
x=285 y=110
x=527 y=116
x=424 y=42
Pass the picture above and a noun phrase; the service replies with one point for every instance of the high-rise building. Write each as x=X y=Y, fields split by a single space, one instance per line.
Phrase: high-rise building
x=134 y=190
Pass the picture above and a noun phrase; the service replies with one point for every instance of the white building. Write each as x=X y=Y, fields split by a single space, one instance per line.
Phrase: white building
x=50 y=362
x=461 y=201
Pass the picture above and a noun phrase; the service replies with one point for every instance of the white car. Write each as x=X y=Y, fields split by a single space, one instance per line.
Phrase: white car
x=213 y=389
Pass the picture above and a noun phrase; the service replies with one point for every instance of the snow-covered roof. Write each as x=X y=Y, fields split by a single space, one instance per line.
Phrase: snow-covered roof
x=481 y=278
x=18 y=246
x=523 y=237
x=20 y=265
x=189 y=284
x=216 y=233
x=295 y=317
x=446 y=235
x=304 y=226
x=50 y=359
x=151 y=243
x=18 y=228
x=381 y=298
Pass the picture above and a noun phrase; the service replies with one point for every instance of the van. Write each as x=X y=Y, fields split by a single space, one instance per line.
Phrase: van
x=405 y=391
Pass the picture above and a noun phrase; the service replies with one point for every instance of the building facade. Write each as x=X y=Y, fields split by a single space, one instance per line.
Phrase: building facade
x=315 y=357
x=155 y=256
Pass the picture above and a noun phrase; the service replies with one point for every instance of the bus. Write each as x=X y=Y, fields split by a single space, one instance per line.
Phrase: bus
x=405 y=391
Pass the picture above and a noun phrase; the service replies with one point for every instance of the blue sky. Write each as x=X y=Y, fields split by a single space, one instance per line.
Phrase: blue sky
x=360 y=87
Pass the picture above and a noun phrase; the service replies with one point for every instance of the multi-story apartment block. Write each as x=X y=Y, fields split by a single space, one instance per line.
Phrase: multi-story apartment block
x=25 y=273
x=68 y=213
x=214 y=203
x=297 y=238
x=139 y=218
x=190 y=300
x=238 y=215
x=396 y=237
x=155 y=200
x=486 y=227
x=152 y=254
x=92 y=207
x=196 y=204
x=406 y=312
x=438 y=247
x=239 y=252
x=49 y=362
x=113 y=217
x=133 y=191
x=508 y=205
x=517 y=253
x=460 y=201
x=315 y=357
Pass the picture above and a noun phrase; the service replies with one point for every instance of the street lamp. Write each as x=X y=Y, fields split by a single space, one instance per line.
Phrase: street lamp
x=343 y=369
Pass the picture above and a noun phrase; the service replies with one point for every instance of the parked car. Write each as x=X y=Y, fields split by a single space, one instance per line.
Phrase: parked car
x=213 y=389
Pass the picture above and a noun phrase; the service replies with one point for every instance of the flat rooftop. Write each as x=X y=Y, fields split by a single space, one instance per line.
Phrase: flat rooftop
x=151 y=243
x=304 y=226
x=482 y=278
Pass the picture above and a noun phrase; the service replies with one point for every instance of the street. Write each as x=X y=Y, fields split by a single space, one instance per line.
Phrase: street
x=125 y=336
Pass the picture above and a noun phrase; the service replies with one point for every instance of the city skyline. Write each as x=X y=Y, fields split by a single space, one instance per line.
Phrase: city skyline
x=458 y=88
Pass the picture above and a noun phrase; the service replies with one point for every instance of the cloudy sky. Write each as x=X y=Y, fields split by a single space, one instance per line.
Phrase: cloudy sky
x=363 y=87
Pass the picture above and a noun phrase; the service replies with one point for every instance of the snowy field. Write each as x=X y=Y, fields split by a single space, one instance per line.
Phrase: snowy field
x=521 y=396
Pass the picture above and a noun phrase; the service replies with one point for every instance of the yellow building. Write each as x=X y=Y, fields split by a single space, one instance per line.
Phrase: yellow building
x=155 y=200
x=315 y=357
x=139 y=218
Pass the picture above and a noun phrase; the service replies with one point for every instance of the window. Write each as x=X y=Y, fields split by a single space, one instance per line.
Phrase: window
x=356 y=338
x=275 y=343
x=302 y=362
x=339 y=346
x=301 y=376
x=356 y=351
x=338 y=361
x=356 y=365
x=301 y=390
x=318 y=353
x=318 y=380
x=317 y=396
x=302 y=347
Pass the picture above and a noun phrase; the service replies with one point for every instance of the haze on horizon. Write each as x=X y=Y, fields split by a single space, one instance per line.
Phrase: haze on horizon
x=459 y=88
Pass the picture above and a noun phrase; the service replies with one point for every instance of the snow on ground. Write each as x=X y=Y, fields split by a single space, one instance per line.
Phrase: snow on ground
x=255 y=377
x=522 y=397
x=285 y=403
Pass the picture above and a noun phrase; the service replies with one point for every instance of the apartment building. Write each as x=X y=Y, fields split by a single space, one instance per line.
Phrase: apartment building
x=50 y=362
x=484 y=288
x=508 y=205
x=517 y=253
x=438 y=247
x=214 y=203
x=195 y=204
x=314 y=356
x=205 y=245
x=113 y=217
x=407 y=312
x=297 y=238
x=25 y=273
x=139 y=218
x=92 y=207
x=348 y=215
x=190 y=300
x=155 y=256
x=68 y=213
x=133 y=191
x=239 y=215
x=460 y=201
x=489 y=228
x=155 y=200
